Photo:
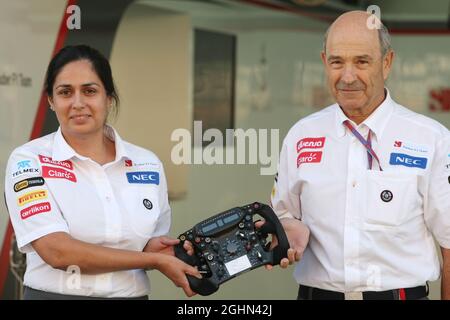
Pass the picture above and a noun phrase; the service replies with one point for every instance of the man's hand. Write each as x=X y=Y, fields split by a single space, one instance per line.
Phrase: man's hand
x=298 y=236
x=164 y=245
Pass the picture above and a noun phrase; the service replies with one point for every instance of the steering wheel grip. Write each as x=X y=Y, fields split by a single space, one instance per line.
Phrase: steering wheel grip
x=274 y=226
x=203 y=286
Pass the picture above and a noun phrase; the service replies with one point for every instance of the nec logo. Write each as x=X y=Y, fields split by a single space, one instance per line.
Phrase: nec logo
x=147 y=177
x=310 y=143
x=408 y=161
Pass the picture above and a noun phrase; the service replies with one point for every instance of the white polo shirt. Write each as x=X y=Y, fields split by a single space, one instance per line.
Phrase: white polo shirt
x=122 y=204
x=371 y=230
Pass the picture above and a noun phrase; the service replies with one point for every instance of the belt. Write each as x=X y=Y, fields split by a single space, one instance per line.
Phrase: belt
x=310 y=293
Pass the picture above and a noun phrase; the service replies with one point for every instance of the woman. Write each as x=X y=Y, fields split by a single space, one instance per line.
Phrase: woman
x=89 y=209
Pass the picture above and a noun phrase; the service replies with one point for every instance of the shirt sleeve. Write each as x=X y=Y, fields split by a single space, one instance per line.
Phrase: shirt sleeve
x=164 y=220
x=32 y=209
x=285 y=203
x=437 y=206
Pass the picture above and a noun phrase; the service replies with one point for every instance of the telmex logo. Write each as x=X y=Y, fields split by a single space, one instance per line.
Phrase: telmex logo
x=32 y=196
x=28 y=170
x=27 y=183
x=35 y=209
x=408 y=161
x=23 y=164
x=310 y=143
x=63 y=164
x=57 y=173
x=147 y=177
x=309 y=157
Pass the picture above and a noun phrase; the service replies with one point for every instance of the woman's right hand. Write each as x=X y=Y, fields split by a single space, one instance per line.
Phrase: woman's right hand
x=176 y=270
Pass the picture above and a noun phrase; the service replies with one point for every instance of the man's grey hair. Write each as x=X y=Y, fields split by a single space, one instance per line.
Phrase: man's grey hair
x=383 y=36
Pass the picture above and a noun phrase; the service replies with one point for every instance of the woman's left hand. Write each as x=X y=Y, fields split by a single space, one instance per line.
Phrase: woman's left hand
x=164 y=245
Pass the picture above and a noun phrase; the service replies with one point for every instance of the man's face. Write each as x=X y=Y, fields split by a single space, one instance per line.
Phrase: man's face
x=355 y=68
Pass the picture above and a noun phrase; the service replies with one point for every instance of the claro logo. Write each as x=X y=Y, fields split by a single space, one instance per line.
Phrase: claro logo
x=309 y=157
x=310 y=143
x=57 y=173
x=62 y=164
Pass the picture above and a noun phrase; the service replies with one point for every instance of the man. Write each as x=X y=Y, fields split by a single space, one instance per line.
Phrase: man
x=368 y=177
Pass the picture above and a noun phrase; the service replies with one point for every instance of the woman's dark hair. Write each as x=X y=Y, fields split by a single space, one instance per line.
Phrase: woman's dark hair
x=82 y=52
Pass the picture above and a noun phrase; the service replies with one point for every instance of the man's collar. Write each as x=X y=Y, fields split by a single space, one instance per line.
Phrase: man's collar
x=376 y=121
x=63 y=151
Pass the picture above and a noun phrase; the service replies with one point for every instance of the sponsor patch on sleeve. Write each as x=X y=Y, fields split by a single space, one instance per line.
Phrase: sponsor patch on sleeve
x=28 y=183
x=25 y=167
x=31 y=196
x=35 y=209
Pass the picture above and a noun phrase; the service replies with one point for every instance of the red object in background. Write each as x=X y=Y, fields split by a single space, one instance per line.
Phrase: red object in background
x=440 y=100
x=35 y=133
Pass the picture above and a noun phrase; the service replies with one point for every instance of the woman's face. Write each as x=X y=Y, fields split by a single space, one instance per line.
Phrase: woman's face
x=80 y=100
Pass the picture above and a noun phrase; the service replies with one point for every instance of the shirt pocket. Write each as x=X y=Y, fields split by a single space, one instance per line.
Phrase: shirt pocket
x=392 y=198
x=144 y=213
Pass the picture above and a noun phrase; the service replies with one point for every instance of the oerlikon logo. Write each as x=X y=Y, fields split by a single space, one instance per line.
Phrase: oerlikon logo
x=35 y=209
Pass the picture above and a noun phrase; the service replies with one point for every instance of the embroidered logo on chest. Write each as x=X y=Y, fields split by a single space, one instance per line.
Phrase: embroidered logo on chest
x=401 y=159
x=144 y=177
x=309 y=156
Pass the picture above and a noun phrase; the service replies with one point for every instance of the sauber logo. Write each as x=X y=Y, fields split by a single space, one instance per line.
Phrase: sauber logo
x=35 y=209
x=397 y=144
x=128 y=163
x=309 y=157
x=57 y=173
x=63 y=164
x=310 y=143
x=32 y=196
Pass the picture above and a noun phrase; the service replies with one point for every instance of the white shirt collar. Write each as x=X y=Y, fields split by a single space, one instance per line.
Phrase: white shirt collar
x=376 y=121
x=63 y=151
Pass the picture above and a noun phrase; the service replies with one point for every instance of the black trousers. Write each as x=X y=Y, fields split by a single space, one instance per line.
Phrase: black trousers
x=416 y=293
x=33 y=294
